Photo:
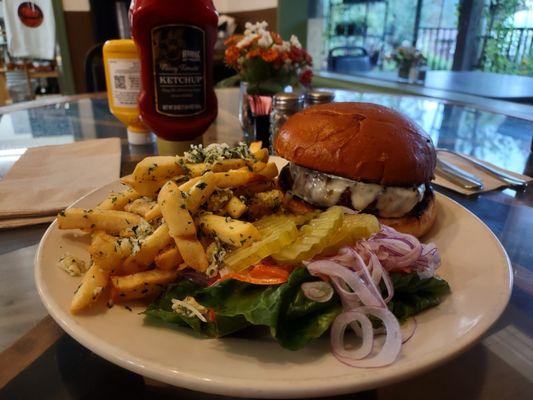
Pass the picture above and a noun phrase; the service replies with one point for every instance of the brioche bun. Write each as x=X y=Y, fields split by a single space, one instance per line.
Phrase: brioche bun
x=416 y=225
x=359 y=141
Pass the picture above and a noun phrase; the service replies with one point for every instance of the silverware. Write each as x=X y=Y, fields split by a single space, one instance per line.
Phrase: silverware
x=458 y=176
x=507 y=178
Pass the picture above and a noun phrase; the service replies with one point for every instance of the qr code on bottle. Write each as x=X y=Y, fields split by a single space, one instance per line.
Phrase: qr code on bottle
x=120 y=82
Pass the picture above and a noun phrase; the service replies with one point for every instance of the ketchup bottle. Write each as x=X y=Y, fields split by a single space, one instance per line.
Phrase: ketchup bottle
x=175 y=39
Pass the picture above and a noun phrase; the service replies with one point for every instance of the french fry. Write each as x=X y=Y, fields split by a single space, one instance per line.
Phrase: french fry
x=186 y=186
x=111 y=221
x=149 y=249
x=265 y=203
x=201 y=191
x=256 y=187
x=261 y=155
x=255 y=146
x=117 y=201
x=270 y=171
x=236 y=178
x=231 y=231
x=172 y=202
x=169 y=259
x=141 y=206
x=140 y=285
x=148 y=188
x=92 y=285
x=109 y=252
x=226 y=165
x=235 y=207
x=157 y=168
x=297 y=206
x=218 y=200
x=127 y=180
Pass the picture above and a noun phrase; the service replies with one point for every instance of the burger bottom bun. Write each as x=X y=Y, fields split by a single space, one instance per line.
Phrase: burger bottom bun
x=416 y=225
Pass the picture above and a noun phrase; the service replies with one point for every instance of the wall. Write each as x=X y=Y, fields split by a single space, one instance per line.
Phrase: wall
x=249 y=10
x=78 y=25
x=232 y=6
x=76 y=5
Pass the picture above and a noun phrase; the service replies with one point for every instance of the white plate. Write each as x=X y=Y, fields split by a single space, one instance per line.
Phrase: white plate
x=474 y=263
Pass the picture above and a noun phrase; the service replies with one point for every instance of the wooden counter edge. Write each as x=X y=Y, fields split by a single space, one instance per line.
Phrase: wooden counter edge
x=27 y=349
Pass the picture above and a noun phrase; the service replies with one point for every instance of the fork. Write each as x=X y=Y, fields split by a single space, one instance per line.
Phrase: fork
x=502 y=176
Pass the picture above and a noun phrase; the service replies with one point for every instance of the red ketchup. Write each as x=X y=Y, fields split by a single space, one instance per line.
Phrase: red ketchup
x=175 y=39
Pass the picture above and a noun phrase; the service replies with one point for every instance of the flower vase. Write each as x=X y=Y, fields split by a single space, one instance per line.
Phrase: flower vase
x=254 y=115
x=403 y=72
x=245 y=113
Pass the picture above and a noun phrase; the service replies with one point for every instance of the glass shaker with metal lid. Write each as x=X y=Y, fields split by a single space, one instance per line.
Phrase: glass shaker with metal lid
x=318 y=97
x=283 y=106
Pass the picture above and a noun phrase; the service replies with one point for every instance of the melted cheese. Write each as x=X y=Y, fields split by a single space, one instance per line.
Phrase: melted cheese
x=326 y=190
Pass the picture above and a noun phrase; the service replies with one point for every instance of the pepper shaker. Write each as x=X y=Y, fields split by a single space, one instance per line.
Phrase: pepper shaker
x=315 y=97
x=283 y=106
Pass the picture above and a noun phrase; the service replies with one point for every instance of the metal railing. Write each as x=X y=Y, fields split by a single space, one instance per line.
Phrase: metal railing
x=438 y=45
x=516 y=44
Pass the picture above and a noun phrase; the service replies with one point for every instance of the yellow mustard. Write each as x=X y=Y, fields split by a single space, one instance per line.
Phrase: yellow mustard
x=123 y=78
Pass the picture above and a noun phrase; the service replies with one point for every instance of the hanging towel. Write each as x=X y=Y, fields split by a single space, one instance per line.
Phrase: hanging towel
x=30 y=28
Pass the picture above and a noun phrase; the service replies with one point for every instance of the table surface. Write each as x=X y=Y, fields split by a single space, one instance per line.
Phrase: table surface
x=478 y=83
x=37 y=357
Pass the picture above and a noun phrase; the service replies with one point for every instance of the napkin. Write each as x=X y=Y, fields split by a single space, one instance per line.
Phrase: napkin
x=47 y=179
x=489 y=181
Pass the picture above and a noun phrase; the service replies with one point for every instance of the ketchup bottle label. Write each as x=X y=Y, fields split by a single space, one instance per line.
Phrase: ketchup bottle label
x=179 y=70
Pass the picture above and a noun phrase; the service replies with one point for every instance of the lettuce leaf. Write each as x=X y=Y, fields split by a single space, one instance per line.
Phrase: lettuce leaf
x=292 y=318
x=413 y=295
x=161 y=309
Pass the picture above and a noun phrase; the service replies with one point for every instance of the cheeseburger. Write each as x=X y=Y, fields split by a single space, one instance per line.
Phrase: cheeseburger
x=363 y=156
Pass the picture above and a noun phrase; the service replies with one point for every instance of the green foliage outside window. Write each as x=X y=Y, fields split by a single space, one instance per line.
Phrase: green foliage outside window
x=495 y=56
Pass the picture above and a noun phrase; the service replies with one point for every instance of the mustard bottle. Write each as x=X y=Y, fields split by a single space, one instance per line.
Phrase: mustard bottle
x=123 y=79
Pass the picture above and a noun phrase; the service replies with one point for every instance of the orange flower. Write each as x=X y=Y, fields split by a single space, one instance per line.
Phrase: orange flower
x=269 y=55
x=232 y=54
x=276 y=38
x=253 y=53
x=233 y=40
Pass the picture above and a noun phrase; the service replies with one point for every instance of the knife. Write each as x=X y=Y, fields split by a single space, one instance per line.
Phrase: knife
x=509 y=179
x=458 y=176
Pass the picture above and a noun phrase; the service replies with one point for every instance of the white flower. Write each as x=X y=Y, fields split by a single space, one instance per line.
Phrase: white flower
x=285 y=47
x=295 y=42
x=245 y=41
x=265 y=41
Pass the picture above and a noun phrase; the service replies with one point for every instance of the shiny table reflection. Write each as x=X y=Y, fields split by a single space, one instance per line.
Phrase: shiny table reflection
x=500 y=366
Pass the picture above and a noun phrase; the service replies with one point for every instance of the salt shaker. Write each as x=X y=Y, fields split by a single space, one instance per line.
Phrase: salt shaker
x=283 y=106
x=318 y=97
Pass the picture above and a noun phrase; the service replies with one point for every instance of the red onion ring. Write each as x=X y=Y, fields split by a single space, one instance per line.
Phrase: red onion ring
x=359 y=290
x=355 y=273
x=318 y=291
x=353 y=318
x=408 y=329
x=390 y=349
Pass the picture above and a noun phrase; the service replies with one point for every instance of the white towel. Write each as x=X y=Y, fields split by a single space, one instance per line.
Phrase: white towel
x=30 y=28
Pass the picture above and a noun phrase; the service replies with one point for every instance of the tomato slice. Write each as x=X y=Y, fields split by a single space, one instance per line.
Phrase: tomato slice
x=264 y=273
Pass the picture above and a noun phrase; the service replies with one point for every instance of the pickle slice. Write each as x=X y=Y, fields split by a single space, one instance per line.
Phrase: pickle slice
x=281 y=235
x=270 y=223
x=360 y=226
x=313 y=237
x=354 y=227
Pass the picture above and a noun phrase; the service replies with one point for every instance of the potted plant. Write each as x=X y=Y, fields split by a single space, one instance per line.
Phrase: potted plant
x=410 y=62
x=265 y=65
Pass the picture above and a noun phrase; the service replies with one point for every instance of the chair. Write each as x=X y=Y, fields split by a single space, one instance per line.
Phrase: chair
x=94 y=70
x=350 y=60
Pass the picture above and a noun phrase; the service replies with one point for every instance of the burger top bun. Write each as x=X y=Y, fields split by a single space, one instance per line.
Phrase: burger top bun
x=360 y=141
